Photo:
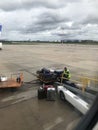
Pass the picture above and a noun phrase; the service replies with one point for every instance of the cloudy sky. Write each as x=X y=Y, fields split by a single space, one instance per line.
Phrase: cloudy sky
x=49 y=19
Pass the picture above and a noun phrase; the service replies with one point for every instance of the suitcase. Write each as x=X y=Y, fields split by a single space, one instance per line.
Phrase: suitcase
x=58 y=72
x=51 y=94
x=45 y=87
x=41 y=93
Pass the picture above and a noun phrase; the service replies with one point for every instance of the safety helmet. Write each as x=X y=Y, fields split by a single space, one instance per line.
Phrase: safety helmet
x=65 y=68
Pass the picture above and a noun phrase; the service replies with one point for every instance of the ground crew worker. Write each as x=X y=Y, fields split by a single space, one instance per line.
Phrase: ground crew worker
x=18 y=79
x=66 y=74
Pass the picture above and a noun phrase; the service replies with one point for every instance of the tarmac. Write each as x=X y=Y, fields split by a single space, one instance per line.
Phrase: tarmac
x=21 y=110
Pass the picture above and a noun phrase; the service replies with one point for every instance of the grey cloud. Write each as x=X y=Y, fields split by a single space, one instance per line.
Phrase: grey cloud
x=30 y=17
x=74 y=32
x=45 y=21
x=38 y=28
x=10 y=5
x=51 y=18
x=91 y=19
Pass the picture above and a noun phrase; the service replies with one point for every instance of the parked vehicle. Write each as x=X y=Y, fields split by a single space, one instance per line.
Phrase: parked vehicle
x=0 y=45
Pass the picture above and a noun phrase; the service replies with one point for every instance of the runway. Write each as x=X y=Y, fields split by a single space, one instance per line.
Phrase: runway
x=21 y=110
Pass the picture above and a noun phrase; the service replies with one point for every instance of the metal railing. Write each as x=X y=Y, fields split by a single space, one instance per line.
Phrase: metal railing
x=83 y=81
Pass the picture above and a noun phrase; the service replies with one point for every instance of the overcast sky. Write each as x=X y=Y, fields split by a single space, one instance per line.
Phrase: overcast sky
x=49 y=19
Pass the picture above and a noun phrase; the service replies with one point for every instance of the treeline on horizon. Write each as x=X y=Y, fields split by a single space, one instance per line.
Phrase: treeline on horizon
x=51 y=42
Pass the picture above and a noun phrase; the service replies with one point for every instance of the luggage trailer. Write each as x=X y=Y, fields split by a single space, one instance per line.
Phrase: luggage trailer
x=13 y=82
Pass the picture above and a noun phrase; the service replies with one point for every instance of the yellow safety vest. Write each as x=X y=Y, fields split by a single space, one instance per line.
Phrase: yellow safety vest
x=67 y=73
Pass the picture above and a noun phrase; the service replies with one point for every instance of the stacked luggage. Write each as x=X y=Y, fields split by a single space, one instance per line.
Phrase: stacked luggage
x=58 y=74
x=47 y=76
x=47 y=92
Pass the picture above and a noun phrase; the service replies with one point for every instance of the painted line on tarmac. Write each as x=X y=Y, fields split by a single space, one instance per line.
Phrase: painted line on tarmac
x=50 y=126
x=72 y=124
x=21 y=96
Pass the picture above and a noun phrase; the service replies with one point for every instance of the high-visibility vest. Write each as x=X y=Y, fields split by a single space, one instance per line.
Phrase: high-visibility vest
x=67 y=73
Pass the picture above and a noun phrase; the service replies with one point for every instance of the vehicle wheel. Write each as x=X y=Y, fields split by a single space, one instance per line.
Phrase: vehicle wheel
x=62 y=96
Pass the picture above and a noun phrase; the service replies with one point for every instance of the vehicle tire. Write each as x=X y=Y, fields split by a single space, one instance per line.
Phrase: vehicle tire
x=62 y=96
